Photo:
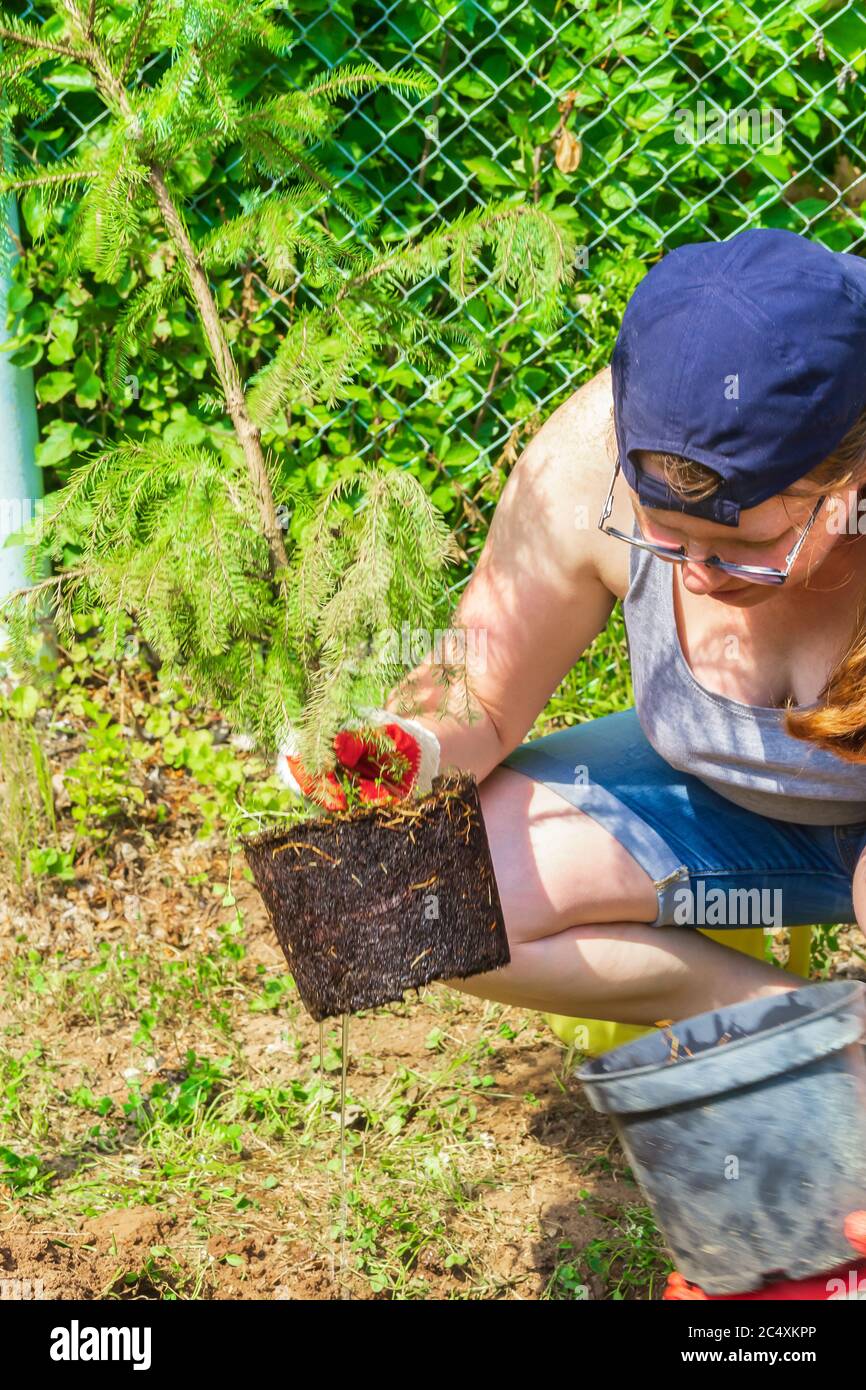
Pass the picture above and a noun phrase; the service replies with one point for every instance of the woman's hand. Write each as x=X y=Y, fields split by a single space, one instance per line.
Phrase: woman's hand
x=382 y=760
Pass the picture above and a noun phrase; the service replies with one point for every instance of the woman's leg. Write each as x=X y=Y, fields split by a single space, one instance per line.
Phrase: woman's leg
x=577 y=907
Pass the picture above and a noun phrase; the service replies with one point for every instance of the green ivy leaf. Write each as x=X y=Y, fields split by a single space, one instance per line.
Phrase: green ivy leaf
x=72 y=78
x=18 y=298
x=785 y=83
x=489 y=171
x=37 y=217
x=618 y=198
x=53 y=386
x=62 y=438
x=27 y=356
x=24 y=702
x=88 y=387
x=64 y=331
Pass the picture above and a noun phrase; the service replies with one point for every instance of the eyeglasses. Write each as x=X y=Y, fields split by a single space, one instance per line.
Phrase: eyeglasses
x=756 y=574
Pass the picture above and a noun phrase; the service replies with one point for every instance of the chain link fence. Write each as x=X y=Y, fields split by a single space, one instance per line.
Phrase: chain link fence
x=641 y=125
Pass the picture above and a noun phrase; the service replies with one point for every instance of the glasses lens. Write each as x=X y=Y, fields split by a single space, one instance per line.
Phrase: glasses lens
x=752 y=576
x=676 y=554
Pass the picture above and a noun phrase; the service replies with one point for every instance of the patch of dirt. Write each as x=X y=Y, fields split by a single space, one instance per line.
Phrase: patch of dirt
x=86 y=1263
x=139 y=1252
x=263 y=1268
x=127 y=1228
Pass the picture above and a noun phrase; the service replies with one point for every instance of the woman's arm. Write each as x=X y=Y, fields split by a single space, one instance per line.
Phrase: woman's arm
x=541 y=591
x=858 y=889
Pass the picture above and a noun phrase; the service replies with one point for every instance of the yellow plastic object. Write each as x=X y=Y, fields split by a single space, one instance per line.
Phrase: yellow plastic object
x=594 y=1035
x=799 y=951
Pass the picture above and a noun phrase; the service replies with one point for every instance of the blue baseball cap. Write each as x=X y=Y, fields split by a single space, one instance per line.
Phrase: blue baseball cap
x=747 y=355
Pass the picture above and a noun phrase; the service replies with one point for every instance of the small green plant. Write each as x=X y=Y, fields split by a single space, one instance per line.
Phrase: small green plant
x=27 y=816
x=631 y=1258
x=183 y=1103
x=23 y=1174
x=53 y=863
x=274 y=994
x=568 y=1280
x=160 y=1276
x=824 y=949
x=99 y=781
x=237 y=794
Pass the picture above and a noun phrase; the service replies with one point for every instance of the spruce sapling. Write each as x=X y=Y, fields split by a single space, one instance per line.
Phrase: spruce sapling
x=266 y=606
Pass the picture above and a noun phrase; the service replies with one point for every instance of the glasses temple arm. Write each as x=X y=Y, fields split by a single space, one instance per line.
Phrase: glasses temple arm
x=795 y=549
x=608 y=506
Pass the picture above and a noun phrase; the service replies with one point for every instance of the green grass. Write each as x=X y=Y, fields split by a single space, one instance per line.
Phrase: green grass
x=213 y=1138
x=131 y=1075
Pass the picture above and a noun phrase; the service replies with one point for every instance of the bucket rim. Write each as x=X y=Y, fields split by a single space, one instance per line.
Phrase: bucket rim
x=843 y=991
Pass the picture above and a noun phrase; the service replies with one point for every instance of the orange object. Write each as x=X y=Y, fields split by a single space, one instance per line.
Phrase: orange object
x=855 y=1230
x=678 y=1289
x=847 y=1280
x=817 y=1288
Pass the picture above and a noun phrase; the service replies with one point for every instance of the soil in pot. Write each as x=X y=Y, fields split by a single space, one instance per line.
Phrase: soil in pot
x=371 y=902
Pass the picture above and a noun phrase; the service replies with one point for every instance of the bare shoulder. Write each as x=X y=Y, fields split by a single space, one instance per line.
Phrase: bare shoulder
x=564 y=475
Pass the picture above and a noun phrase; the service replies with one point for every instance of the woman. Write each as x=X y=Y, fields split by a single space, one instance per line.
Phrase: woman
x=732 y=424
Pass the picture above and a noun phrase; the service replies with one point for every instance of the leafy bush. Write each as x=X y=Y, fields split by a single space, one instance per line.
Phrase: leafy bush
x=487 y=132
x=271 y=619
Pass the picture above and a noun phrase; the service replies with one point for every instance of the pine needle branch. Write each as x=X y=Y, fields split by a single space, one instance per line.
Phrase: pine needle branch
x=273 y=618
x=17 y=33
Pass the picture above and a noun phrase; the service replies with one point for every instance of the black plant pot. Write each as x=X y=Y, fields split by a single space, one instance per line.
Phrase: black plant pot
x=369 y=903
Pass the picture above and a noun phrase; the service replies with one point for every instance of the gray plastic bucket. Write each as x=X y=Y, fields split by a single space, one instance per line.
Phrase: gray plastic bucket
x=751 y=1153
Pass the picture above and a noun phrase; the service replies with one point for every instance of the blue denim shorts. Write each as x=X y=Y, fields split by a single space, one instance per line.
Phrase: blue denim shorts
x=690 y=840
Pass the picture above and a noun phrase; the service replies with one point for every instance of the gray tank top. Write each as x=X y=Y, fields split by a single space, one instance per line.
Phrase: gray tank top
x=741 y=751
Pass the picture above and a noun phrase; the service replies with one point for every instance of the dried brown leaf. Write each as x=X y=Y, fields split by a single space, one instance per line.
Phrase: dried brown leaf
x=567 y=152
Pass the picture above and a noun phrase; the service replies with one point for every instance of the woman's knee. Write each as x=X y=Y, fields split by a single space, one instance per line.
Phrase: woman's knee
x=555 y=866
